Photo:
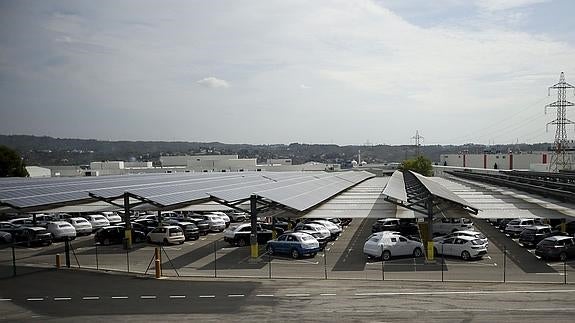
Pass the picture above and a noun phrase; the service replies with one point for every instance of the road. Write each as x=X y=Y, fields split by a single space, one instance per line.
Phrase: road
x=75 y=295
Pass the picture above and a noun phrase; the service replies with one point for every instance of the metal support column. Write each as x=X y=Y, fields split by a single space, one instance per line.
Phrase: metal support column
x=128 y=229
x=429 y=204
x=254 y=223
x=159 y=216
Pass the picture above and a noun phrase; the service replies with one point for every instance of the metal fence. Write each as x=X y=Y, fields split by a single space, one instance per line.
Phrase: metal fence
x=219 y=260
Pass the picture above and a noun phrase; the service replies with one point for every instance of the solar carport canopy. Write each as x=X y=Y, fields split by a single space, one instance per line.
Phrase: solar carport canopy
x=298 y=191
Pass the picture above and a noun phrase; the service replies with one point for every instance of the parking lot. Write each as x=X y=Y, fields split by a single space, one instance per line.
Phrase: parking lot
x=343 y=258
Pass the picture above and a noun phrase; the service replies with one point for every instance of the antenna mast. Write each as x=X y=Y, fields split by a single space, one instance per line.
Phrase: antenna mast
x=560 y=159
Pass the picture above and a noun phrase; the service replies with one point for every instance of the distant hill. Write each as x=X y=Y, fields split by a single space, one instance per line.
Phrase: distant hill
x=44 y=151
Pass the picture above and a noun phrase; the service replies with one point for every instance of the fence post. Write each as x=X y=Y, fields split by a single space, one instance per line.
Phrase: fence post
x=325 y=263
x=442 y=262
x=97 y=262
x=504 y=262
x=13 y=261
x=67 y=251
x=382 y=269
x=270 y=265
x=565 y=271
x=216 y=259
x=128 y=258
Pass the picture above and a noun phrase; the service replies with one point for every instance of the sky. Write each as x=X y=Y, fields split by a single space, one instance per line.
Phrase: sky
x=284 y=71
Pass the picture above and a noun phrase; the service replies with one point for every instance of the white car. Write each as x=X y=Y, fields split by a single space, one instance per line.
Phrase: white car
x=61 y=230
x=334 y=229
x=516 y=226
x=238 y=216
x=97 y=221
x=25 y=222
x=216 y=223
x=224 y=217
x=461 y=246
x=112 y=217
x=166 y=235
x=82 y=226
x=468 y=233
x=387 y=244
x=310 y=228
x=448 y=225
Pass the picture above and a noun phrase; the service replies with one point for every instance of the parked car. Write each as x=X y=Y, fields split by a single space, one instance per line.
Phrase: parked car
x=569 y=228
x=389 y=244
x=468 y=233
x=215 y=222
x=116 y=234
x=238 y=216
x=24 y=222
x=97 y=221
x=334 y=229
x=447 y=225
x=403 y=226
x=279 y=226
x=321 y=233
x=224 y=217
x=82 y=226
x=5 y=237
x=295 y=244
x=147 y=217
x=112 y=217
x=202 y=224
x=169 y=234
x=61 y=230
x=562 y=247
x=147 y=225
x=191 y=231
x=32 y=236
x=515 y=226
x=502 y=223
x=460 y=246
x=239 y=234
x=8 y=226
x=532 y=235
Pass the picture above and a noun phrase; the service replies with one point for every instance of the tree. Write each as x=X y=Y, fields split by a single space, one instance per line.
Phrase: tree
x=420 y=164
x=11 y=164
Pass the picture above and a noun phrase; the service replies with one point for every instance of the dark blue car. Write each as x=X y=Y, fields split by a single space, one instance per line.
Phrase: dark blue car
x=295 y=244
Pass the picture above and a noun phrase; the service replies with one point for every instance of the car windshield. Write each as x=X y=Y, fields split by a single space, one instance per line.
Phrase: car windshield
x=514 y=222
x=63 y=225
x=547 y=243
x=99 y=217
x=175 y=230
x=306 y=238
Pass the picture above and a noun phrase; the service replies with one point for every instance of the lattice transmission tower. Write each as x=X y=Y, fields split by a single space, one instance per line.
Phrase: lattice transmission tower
x=417 y=138
x=560 y=158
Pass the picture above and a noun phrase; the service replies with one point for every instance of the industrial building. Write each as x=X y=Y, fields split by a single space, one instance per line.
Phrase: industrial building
x=537 y=161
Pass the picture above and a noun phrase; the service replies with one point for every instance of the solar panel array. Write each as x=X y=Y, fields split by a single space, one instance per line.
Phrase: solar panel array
x=297 y=190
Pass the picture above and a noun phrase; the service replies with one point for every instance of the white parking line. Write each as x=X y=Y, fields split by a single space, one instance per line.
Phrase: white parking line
x=207 y=296
x=91 y=298
x=327 y=294
x=297 y=295
x=148 y=297
x=119 y=297
x=177 y=296
x=37 y=299
x=5 y=299
x=236 y=295
x=62 y=298
x=265 y=295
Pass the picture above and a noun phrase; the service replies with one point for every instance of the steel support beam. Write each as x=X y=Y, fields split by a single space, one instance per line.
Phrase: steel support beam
x=128 y=228
x=254 y=222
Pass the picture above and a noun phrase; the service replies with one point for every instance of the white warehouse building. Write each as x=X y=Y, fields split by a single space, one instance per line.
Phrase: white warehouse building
x=538 y=161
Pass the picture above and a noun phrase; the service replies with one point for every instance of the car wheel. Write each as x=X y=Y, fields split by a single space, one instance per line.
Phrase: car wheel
x=313 y=254
x=242 y=243
x=137 y=239
x=295 y=254
x=465 y=255
x=563 y=256
x=106 y=242
x=270 y=250
x=386 y=255
x=417 y=253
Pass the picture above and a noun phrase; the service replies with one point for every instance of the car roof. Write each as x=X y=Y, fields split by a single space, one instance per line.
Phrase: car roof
x=558 y=238
x=539 y=226
x=467 y=232
x=299 y=234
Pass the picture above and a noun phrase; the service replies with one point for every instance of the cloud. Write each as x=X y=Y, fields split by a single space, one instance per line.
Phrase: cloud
x=496 y=5
x=213 y=82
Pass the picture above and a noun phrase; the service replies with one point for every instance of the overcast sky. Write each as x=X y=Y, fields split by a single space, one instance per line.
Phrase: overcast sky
x=263 y=72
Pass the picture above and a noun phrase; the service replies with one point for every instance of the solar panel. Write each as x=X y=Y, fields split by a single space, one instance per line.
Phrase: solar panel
x=395 y=187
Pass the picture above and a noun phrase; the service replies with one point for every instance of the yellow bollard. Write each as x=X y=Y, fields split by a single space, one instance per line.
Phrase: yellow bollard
x=158 y=268
x=58 y=261
x=430 y=254
x=254 y=250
